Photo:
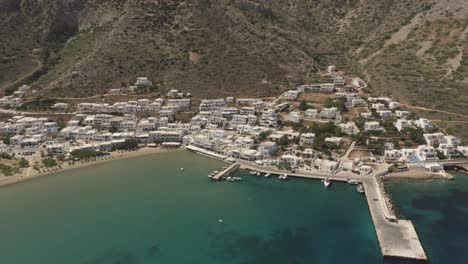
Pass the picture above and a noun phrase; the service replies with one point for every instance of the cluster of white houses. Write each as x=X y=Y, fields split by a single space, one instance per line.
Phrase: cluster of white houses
x=15 y=100
x=232 y=127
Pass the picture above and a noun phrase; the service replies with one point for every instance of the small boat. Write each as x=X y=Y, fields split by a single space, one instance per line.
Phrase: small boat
x=181 y=169
x=360 y=188
x=267 y=175
x=220 y=220
x=237 y=178
x=210 y=176
x=215 y=172
x=326 y=182
x=253 y=172
x=230 y=179
x=352 y=181
x=283 y=177
x=258 y=174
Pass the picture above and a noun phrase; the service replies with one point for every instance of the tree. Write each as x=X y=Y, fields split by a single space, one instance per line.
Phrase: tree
x=49 y=162
x=283 y=141
x=6 y=139
x=339 y=103
x=85 y=153
x=129 y=144
x=23 y=163
x=264 y=135
x=303 y=106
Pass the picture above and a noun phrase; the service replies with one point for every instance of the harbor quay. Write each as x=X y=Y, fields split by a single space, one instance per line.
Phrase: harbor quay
x=397 y=238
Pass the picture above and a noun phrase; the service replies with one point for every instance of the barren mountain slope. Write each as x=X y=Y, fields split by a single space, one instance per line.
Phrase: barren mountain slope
x=218 y=47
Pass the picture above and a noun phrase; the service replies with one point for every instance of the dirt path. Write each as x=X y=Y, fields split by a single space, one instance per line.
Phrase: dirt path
x=433 y=110
x=27 y=75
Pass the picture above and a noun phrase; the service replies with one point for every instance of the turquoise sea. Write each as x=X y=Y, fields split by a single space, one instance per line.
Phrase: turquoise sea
x=145 y=210
x=439 y=211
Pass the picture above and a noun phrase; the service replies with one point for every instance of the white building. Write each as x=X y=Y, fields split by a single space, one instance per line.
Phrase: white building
x=291 y=94
x=372 y=126
x=328 y=166
x=435 y=139
x=349 y=128
x=212 y=104
x=307 y=139
x=295 y=117
x=180 y=104
x=402 y=124
x=311 y=113
x=269 y=118
x=423 y=123
x=393 y=105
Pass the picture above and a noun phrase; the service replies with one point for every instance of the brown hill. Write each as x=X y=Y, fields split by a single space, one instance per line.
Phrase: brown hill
x=219 y=47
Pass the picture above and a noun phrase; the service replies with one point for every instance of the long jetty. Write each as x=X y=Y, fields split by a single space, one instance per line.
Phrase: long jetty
x=220 y=175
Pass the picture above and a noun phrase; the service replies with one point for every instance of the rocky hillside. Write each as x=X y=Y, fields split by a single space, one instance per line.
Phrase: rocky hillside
x=216 y=47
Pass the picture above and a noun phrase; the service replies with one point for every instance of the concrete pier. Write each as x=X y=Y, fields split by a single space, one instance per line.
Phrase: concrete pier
x=220 y=175
x=397 y=238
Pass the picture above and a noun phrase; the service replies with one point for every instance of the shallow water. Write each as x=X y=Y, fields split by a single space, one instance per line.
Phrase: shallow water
x=145 y=210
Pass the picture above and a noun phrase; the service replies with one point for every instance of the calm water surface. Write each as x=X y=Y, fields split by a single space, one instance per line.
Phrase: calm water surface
x=439 y=211
x=145 y=210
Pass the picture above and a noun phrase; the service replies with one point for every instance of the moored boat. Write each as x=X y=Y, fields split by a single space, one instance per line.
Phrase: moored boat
x=326 y=182
x=352 y=181
x=360 y=188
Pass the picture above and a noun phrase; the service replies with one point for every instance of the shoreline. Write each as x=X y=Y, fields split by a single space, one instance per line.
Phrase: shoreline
x=6 y=181
x=416 y=174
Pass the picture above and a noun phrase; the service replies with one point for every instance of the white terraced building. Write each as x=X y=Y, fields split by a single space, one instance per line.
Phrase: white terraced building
x=269 y=118
x=307 y=139
x=295 y=117
x=423 y=123
x=402 y=124
x=373 y=126
x=349 y=128
x=248 y=101
x=243 y=120
x=180 y=104
x=212 y=104
x=311 y=113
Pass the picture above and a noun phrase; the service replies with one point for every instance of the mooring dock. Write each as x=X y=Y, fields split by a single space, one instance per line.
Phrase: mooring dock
x=220 y=175
x=397 y=238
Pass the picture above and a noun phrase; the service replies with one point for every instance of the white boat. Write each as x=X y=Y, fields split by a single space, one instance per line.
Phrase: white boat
x=215 y=172
x=267 y=175
x=220 y=220
x=237 y=178
x=352 y=181
x=326 y=182
x=181 y=169
x=230 y=179
x=253 y=172
x=360 y=188
x=258 y=173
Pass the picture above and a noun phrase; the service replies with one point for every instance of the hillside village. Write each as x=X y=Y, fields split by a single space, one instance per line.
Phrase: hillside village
x=319 y=127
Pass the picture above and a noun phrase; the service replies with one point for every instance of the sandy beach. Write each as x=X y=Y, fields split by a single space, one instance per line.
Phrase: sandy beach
x=415 y=174
x=115 y=156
